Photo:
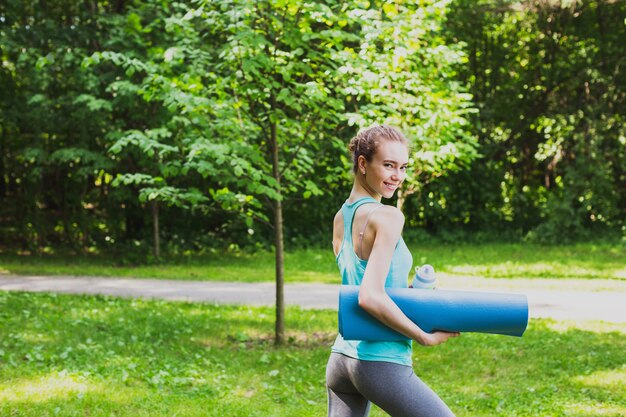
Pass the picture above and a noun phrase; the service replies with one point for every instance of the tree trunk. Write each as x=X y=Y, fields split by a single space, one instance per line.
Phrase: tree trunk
x=279 y=245
x=3 y=182
x=403 y=193
x=401 y=198
x=155 y=228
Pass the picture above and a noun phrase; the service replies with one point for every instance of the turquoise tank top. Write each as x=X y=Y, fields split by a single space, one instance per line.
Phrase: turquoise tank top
x=352 y=269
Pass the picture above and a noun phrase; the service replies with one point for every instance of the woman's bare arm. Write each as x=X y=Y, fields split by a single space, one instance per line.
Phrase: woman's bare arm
x=387 y=224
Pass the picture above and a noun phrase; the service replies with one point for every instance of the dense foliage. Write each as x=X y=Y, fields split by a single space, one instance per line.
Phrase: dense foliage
x=123 y=122
x=549 y=81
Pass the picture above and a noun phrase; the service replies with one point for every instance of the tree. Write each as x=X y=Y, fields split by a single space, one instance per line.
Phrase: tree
x=258 y=106
x=188 y=133
x=546 y=77
x=280 y=63
x=52 y=144
x=404 y=73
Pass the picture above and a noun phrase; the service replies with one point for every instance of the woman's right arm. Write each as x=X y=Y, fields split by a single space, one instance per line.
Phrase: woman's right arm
x=373 y=298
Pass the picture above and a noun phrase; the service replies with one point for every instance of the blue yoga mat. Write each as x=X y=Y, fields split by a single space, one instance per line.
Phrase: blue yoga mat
x=454 y=311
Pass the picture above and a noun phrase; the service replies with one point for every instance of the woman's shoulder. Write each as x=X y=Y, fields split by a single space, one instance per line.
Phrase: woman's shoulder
x=338 y=217
x=391 y=212
x=338 y=222
x=388 y=216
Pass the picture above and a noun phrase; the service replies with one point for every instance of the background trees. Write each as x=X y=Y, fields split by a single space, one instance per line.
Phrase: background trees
x=549 y=82
x=126 y=122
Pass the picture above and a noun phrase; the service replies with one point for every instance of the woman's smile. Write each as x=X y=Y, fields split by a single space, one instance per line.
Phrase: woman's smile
x=391 y=186
x=387 y=169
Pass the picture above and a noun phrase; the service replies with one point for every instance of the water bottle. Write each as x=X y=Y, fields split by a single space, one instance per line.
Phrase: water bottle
x=424 y=277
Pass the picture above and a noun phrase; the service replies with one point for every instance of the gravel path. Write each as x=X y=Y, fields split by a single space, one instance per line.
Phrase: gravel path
x=559 y=304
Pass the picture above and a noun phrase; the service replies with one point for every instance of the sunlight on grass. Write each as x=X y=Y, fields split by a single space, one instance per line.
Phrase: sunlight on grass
x=150 y=358
x=37 y=338
x=311 y=276
x=587 y=325
x=609 y=379
x=509 y=269
x=247 y=392
x=594 y=408
x=57 y=385
x=620 y=274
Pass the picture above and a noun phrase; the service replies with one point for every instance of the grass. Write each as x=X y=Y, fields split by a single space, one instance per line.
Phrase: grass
x=582 y=262
x=99 y=356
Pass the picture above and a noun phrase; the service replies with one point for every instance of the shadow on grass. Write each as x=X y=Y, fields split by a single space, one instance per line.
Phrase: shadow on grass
x=144 y=357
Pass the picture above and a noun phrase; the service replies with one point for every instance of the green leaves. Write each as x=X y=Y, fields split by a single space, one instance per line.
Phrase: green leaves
x=539 y=131
x=149 y=142
x=401 y=76
x=93 y=104
x=197 y=95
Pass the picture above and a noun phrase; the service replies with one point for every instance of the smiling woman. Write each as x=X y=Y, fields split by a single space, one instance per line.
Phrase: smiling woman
x=387 y=164
x=371 y=253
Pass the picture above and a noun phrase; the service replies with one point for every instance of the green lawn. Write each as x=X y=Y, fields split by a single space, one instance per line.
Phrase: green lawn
x=97 y=356
x=582 y=261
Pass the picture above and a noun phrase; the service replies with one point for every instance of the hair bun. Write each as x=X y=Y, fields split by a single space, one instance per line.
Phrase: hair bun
x=366 y=142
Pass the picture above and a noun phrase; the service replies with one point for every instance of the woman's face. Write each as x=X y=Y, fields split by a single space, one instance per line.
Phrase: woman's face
x=387 y=170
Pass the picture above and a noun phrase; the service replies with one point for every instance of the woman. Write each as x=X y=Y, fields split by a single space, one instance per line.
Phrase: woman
x=371 y=253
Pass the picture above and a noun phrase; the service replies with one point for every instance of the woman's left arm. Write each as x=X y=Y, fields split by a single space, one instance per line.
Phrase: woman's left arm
x=373 y=298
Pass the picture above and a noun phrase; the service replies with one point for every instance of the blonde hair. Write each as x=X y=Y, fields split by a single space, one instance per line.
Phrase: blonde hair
x=367 y=140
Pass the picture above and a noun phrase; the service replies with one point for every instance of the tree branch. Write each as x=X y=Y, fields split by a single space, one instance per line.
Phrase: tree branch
x=300 y=144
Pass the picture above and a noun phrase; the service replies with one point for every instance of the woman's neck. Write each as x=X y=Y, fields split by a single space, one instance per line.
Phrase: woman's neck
x=360 y=190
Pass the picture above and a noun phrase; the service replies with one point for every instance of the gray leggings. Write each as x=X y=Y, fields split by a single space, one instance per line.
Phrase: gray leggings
x=352 y=384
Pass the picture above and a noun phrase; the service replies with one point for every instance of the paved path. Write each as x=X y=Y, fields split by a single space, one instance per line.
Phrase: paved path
x=554 y=303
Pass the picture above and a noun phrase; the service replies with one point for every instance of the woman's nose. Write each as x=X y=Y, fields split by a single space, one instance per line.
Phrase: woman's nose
x=398 y=174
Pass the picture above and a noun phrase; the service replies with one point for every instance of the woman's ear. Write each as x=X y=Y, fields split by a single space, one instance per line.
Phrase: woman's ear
x=362 y=162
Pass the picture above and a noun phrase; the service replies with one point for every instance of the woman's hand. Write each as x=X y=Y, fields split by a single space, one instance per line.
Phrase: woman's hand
x=436 y=338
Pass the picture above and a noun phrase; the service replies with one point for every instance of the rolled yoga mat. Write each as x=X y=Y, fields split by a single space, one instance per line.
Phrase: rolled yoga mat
x=454 y=311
